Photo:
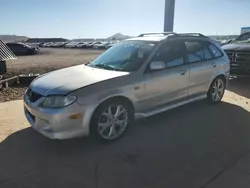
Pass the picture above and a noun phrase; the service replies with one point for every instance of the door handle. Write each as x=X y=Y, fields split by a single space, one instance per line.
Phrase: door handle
x=183 y=72
x=137 y=87
x=214 y=65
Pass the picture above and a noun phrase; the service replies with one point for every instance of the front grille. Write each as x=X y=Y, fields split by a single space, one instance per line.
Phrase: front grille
x=33 y=96
x=239 y=62
x=239 y=57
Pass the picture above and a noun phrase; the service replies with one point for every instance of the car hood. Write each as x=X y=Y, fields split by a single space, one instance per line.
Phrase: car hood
x=64 y=81
x=237 y=47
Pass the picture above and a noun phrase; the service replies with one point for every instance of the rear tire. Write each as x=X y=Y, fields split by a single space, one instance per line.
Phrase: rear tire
x=216 y=90
x=111 y=120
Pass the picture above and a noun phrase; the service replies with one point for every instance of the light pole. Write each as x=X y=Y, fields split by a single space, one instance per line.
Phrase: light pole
x=169 y=15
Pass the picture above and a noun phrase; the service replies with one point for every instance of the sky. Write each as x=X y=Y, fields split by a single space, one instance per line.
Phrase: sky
x=103 y=18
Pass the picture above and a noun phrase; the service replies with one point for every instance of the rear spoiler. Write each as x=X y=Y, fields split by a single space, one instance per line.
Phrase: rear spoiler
x=5 y=52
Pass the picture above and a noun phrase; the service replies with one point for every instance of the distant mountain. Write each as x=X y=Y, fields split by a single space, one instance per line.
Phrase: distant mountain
x=12 y=38
x=118 y=36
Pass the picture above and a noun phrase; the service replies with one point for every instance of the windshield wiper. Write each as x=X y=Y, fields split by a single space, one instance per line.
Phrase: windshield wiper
x=105 y=66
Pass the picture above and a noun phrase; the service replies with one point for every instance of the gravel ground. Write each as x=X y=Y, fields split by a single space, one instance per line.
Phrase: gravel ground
x=47 y=60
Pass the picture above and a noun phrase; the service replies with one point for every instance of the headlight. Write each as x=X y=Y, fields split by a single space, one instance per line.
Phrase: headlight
x=58 y=101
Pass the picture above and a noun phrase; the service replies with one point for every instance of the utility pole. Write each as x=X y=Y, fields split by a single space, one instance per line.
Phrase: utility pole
x=169 y=15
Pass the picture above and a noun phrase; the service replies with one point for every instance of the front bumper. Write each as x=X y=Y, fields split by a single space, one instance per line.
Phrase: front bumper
x=55 y=123
x=240 y=71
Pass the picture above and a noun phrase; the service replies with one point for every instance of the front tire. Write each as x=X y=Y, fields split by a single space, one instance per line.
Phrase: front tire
x=216 y=90
x=111 y=120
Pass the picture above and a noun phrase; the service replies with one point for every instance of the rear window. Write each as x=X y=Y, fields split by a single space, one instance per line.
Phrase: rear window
x=215 y=51
x=197 y=51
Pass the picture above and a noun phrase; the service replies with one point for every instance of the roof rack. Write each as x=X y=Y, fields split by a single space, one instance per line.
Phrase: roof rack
x=163 y=33
x=191 y=34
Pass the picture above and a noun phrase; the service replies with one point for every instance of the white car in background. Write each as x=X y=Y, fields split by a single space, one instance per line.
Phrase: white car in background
x=101 y=46
x=80 y=44
x=71 y=45
x=112 y=43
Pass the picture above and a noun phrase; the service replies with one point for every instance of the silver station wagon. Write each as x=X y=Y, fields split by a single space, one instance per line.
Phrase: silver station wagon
x=138 y=77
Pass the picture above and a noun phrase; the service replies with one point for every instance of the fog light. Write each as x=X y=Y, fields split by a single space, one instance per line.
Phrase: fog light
x=75 y=116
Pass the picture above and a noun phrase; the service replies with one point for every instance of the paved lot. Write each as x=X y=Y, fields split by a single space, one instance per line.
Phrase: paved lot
x=194 y=146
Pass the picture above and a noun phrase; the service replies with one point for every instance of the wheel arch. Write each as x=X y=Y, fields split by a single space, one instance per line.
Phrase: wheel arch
x=219 y=75
x=112 y=98
x=126 y=100
x=121 y=98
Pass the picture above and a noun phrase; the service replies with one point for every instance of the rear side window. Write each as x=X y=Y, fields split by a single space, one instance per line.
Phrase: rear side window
x=207 y=54
x=197 y=51
x=215 y=51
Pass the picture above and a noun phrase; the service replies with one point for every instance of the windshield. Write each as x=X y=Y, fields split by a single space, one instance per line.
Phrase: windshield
x=124 y=56
x=244 y=38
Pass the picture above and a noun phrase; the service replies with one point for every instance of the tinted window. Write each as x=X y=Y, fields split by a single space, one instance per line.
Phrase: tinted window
x=194 y=51
x=243 y=37
x=198 y=51
x=172 y=53
x=215 y=51
x=207 y=54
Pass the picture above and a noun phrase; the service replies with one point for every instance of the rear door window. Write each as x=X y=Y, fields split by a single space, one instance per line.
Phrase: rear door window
x=215 y=51
x=197 y=51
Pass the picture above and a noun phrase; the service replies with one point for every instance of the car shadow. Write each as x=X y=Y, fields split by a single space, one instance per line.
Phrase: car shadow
x=184 y=147
x=241 y=86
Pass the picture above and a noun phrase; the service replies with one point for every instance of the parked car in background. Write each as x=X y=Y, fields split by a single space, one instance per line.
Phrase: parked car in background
x=90 y=45
x=110 y=45
x=81 y=44
x=58 y=44
x=48 y=44
x=238 y=51
x=85 y=44
x=22 y=49
x=71 y=45
x=102 y=45
x=138 y=77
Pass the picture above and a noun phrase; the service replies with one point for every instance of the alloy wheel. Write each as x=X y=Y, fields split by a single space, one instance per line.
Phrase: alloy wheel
x=217 y=90
x=112 y=122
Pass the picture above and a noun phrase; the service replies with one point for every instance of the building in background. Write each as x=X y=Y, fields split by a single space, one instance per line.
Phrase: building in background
x=245 y=29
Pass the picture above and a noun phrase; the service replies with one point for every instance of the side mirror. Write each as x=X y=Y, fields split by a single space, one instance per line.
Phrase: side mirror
x=157 y=65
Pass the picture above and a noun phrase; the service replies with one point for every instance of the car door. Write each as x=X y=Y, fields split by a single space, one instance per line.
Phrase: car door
x=170 y=84
x=201 y=65
x=18 y=49
x=23 y=49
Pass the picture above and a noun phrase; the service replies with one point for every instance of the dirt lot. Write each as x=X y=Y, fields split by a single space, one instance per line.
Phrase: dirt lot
x=47 y=60
x=50 y=59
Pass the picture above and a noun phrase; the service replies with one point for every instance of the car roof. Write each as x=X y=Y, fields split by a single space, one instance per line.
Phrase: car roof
x=157 y=37
x=150 y=38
